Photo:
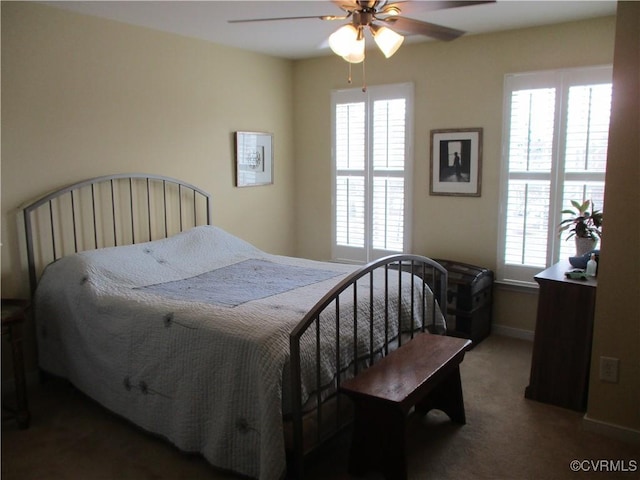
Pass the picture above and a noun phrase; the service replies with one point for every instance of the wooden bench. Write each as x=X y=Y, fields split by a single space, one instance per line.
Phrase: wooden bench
x=423 y=373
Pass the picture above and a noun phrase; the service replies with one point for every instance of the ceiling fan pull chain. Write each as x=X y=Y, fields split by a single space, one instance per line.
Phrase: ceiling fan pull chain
x=349 y=79
x=364 y=77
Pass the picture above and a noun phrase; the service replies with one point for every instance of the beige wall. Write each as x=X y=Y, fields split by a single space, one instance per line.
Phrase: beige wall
x=617 y=322
x=457 y=84
x=84 y=97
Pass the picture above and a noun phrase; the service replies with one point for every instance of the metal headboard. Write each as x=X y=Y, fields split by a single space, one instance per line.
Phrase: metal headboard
x=108 y=211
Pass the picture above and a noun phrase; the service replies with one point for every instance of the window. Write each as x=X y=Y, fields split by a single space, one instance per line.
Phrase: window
x=372 y=136
x=556 y=129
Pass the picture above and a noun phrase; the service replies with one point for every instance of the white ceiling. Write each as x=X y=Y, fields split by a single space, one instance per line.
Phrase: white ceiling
x=305 y=38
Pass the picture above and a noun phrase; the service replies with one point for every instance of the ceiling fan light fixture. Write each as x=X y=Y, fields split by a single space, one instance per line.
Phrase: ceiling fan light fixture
x=392 y=10
x=344 y=40
x=387 y=40
x=356 y=55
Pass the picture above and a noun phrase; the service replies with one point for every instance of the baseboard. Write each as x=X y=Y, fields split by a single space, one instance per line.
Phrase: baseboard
x=611 y=430
x=512 y=332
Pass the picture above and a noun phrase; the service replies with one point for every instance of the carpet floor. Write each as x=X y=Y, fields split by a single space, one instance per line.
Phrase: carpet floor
x=506 y=436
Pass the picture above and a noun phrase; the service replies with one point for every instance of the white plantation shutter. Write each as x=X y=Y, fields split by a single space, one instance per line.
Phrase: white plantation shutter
x=371 y=158
x=388 y=214
x=350 y=163
x=530 y=161
x=388 y=174
x=350 y=210
x=527 y=222
x=586 y=149
x=556 y=132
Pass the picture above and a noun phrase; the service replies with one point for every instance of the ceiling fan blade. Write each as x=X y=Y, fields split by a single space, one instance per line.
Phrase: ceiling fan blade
x=409 y=25
x=413 y=6
x=317 y=17
x=346 y=5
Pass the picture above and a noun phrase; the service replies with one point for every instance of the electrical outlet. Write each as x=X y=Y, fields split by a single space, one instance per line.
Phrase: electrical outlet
x=609 y=369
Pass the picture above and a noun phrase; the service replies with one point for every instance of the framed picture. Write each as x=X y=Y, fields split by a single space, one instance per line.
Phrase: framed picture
x=254 y=159
x=456 y=162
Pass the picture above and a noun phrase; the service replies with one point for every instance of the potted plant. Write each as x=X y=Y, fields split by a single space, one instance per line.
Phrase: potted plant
x=584 y=225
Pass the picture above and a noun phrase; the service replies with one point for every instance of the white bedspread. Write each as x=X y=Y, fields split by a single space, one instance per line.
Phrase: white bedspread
x=207 y=377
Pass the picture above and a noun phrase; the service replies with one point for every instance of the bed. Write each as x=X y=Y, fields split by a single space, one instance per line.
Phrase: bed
x=198 y=336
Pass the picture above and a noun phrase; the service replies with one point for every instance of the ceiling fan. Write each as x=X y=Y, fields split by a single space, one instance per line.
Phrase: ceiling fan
x=378 y=16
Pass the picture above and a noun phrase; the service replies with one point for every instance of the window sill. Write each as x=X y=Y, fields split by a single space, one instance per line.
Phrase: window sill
x=517 y=286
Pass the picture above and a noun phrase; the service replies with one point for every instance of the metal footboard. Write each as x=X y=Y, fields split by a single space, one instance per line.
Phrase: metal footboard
x=345 y=304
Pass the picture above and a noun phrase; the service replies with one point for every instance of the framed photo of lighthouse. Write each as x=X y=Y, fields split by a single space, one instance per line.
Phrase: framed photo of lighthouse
x=456 y=162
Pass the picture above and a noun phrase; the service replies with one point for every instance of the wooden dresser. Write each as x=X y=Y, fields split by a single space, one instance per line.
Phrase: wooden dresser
x=562 y=344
